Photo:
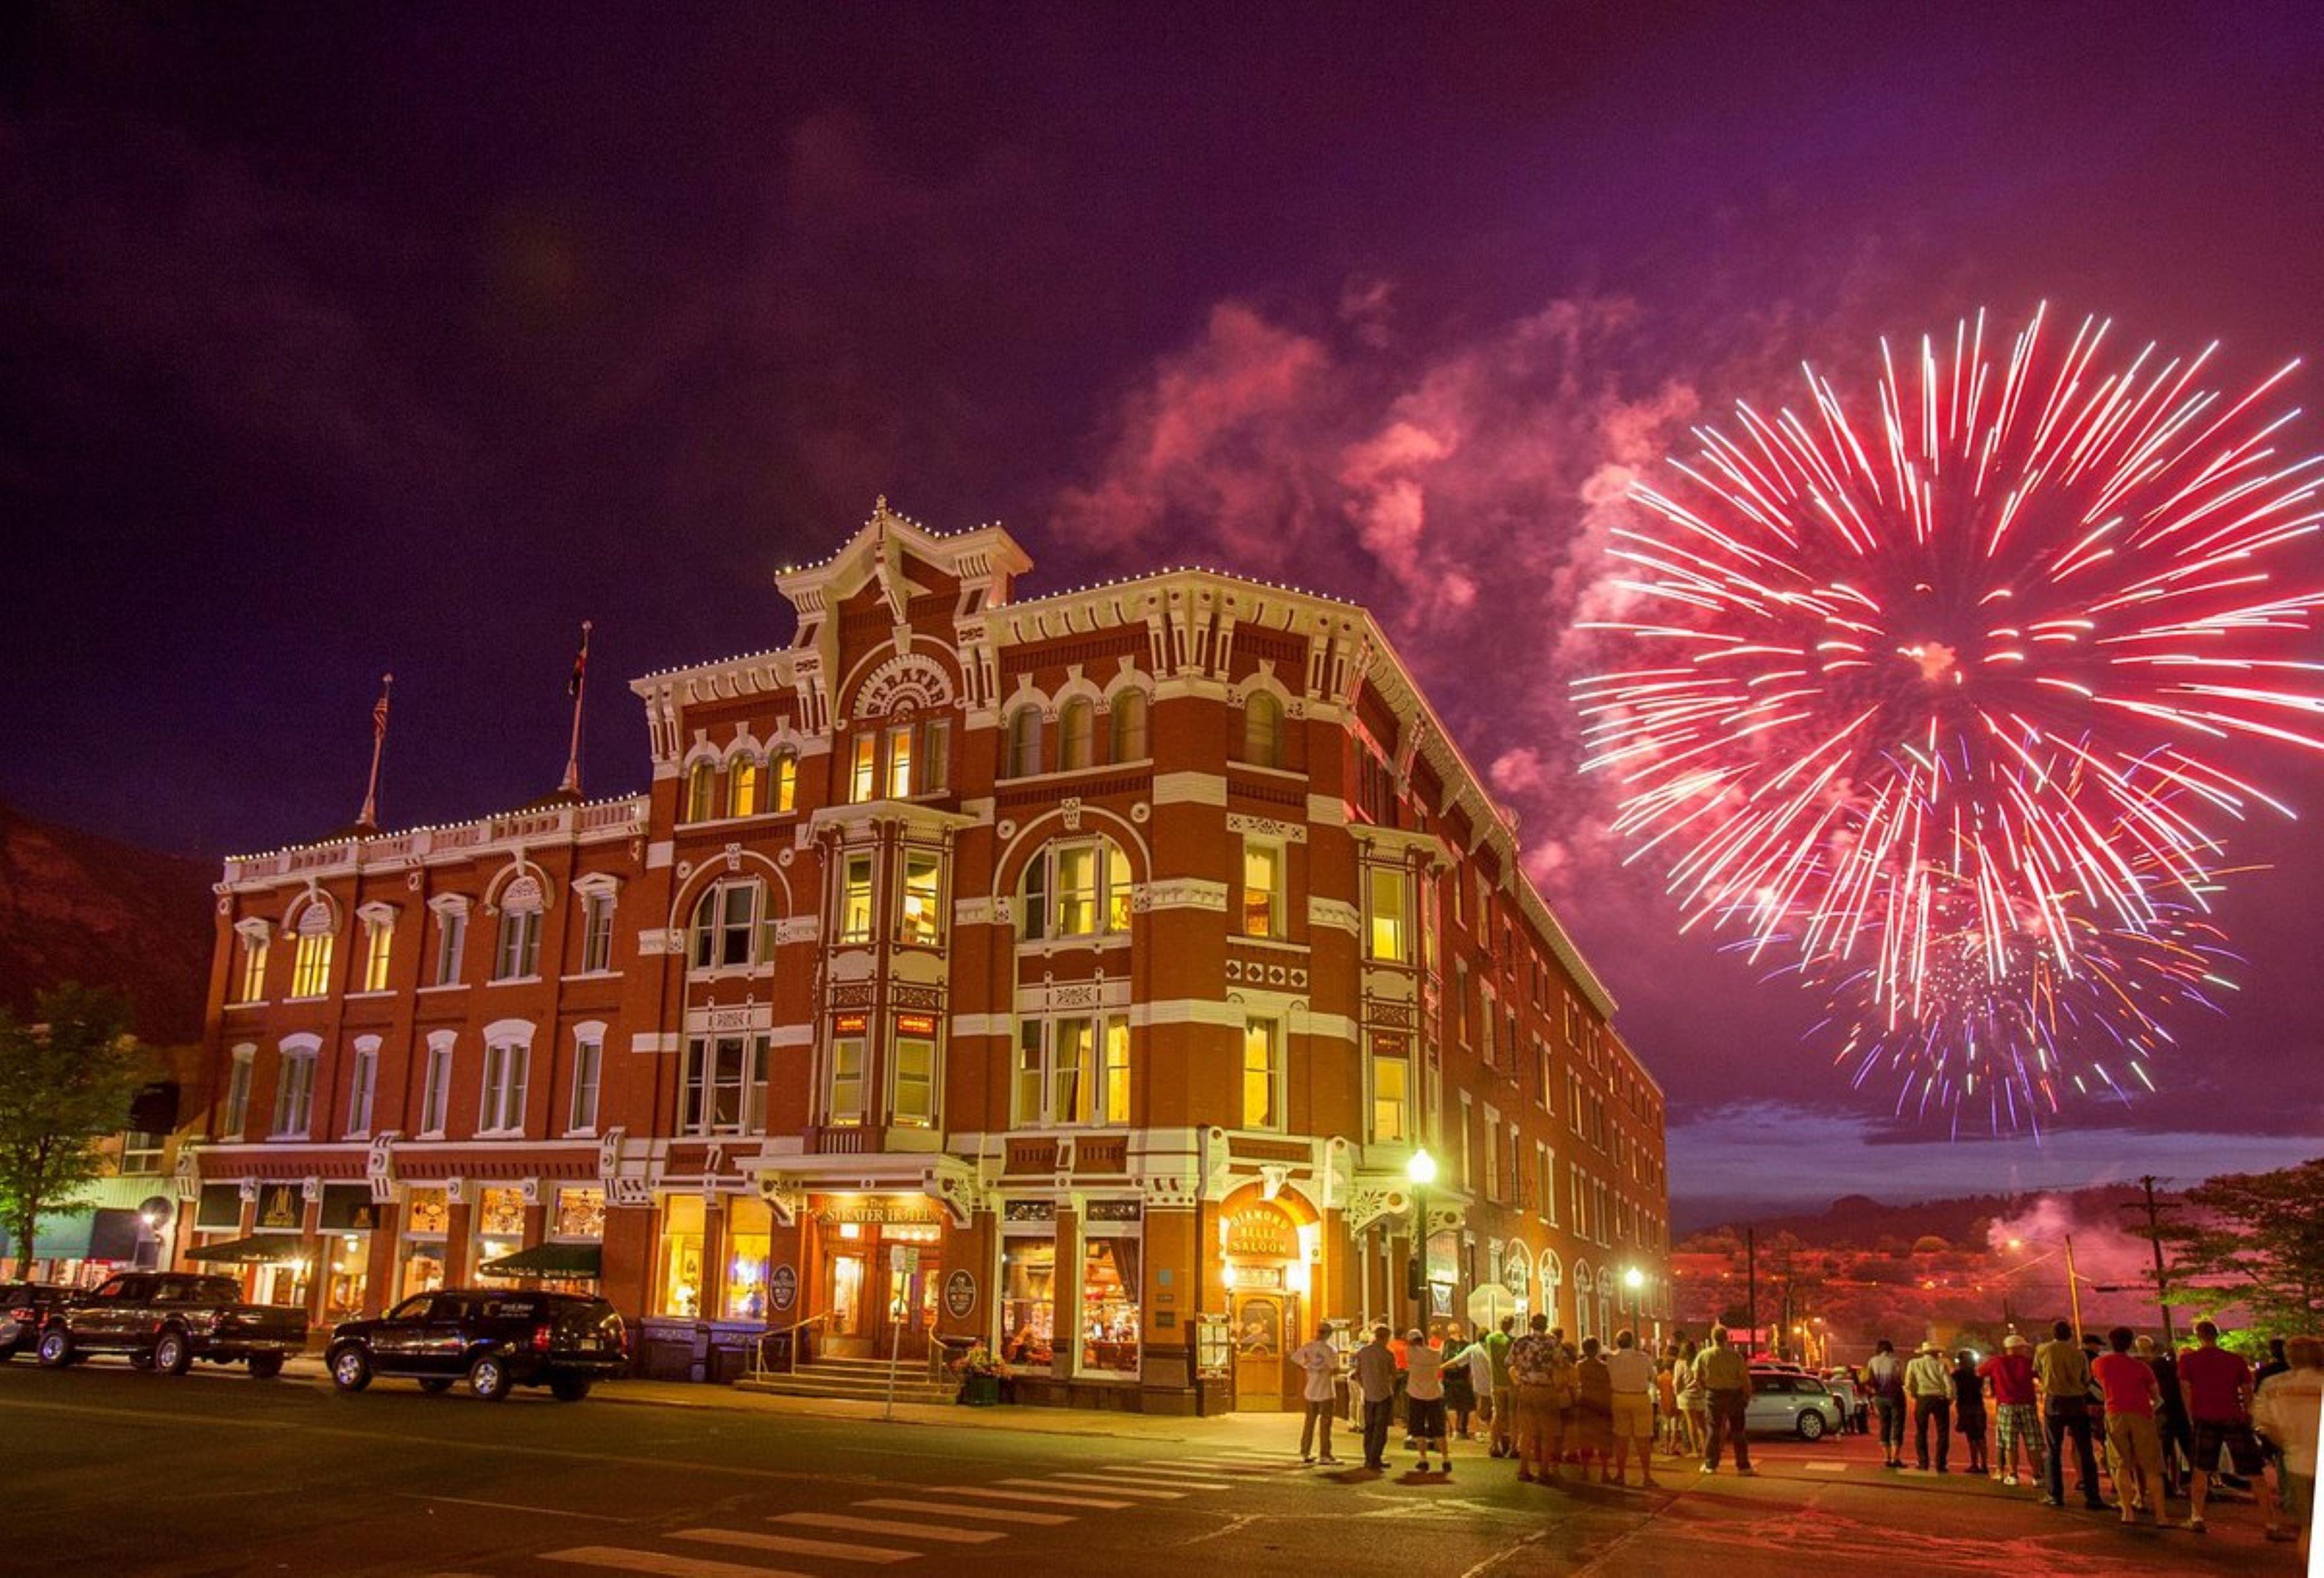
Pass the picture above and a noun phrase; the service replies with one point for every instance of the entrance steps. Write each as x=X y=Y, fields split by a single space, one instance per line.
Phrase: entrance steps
x=860 y=1380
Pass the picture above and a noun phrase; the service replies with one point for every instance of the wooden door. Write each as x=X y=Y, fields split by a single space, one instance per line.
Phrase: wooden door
x=1262 y=1322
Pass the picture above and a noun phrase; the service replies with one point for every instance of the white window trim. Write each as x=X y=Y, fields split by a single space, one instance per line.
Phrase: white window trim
x=588 y=1033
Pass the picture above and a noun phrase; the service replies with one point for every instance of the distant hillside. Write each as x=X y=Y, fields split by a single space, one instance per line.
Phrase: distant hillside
x=75 y=906
x=1861 y=1221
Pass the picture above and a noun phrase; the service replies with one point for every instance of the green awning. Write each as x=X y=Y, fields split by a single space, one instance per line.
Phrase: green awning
x=260 y=1249
x=547 y=1260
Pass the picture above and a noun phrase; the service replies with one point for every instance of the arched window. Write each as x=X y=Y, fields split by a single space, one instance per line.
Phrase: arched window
x=742 y=788
x=1130 y=727
x=310 y=965
x=785 y=798
x=725 y=932
x=1076 y=735
x=516 y=951
x=701 y=791
x=1076 y=887
x=1025 y=742
x=1262 y=730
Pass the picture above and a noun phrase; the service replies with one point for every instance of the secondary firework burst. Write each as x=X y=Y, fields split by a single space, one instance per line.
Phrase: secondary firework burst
x=1983 y=653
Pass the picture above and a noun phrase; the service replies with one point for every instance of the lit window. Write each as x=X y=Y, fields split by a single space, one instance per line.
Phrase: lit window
x=236 y=1110
x=914 y=1101
x=378 y=950
x=1128 y=721
x=294 y=1094
x=923 y=917
x=588 y=1061
x=1025 y=742
x=363 y=1082
x=1262 y=888
x=251 y=982
x=596 y=932
x=725 y=1083
x=1387 y=937
x=847 y=1078
x=1262 y=730
x=742 y=788
x=436 y=1092
x=1076 y=889
x=1262 y=1066
x=786 y=782
x=725 y=926
x=502 y=1109
x=1074 y=1071
x=1031 y=1065
x=855 y=900
x=864 y=778
x=1116 y=1070
x=936 y=755
x=311 y=964
x=1391 y=1094
x=1076 y=735
x=701 y=791
x=899 y=762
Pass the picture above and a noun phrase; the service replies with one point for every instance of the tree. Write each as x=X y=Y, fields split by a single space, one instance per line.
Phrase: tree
x=2253 y=1241
x=66 y=1080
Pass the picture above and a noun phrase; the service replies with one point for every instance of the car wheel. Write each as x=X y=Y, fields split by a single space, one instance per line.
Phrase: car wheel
x=350 y=1369
x=568 y=1388
x=1811 y=1425
x=265 y=1366
x=56 y=1349
x=172 y=1353
x=488 y=1377
x=436 y=1385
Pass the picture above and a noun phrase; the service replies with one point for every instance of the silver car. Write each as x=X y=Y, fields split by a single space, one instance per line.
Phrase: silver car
x=1784 y=1403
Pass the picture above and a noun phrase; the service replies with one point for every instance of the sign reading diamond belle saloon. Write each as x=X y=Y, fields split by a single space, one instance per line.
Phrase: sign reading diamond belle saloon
x=1113 y=949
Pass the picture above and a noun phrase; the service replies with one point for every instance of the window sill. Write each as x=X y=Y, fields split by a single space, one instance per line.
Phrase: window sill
x=307 y=998
x=1278 y=944
x=379 y=992
x=593 y=976
x=444 y=987
x=285 y=1139
x=588 y=1134
x=1095 y=769
x=532 y=981
x=498 y=1134
x=731 y=972
x=1048 y=945
x=252 y=1003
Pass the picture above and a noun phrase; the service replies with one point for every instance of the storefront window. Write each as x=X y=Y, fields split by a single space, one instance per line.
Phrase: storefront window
x=580 y=1214
x=499 y=1224
x=349 y=1256
x=750 y=1228
x=681 y=1255
x=1110 y=1305
x=427 y=1218
x=1028 y=1276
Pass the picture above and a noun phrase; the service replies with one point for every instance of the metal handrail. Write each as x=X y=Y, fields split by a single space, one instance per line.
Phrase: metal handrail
x=759 y=1345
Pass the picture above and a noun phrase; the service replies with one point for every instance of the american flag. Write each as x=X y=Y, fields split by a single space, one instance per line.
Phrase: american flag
x=379 y=708
x=580 y=663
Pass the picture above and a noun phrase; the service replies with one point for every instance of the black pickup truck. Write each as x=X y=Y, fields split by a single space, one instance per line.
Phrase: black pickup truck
x=165 y=1320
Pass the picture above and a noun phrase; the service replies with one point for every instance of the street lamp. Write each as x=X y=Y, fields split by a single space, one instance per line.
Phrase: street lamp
x=1422 y=1170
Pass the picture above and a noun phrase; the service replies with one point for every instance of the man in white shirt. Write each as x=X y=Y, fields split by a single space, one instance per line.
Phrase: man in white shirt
x=1631 y=1370
x=1320 y=1362
x=1928 y=1382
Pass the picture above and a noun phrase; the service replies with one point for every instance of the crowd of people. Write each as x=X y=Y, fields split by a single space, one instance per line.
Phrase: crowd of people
x=2145 y=1425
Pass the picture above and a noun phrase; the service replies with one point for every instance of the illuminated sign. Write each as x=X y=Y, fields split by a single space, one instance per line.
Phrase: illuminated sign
x=852 y=1023
x=917 y=1023
x=1262 y=1232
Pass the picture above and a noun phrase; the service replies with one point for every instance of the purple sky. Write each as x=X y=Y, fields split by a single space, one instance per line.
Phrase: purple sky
x=335 y=342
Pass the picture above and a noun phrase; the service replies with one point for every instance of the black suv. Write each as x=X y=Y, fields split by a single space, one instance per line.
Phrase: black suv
x=497 y=1339
x=25 y=1308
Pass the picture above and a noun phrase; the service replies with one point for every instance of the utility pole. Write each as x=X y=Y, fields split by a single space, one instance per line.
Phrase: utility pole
x=2073 y=1288
x=2155 y=1209
x=1751 y=1284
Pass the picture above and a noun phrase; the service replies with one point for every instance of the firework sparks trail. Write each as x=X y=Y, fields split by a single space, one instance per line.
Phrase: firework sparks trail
x=1947 y=683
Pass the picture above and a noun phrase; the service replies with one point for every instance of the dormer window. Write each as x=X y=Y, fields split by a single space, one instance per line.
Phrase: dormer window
x=1262 y=730
x=1077 y=736
x=1128 y=721
x=786 y=796
x=742 y=788
x=1025 y=742
x=701 y=791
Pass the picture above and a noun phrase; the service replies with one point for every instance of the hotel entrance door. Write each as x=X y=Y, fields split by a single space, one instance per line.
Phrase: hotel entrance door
x=1264 y=1324
x=842 y=1281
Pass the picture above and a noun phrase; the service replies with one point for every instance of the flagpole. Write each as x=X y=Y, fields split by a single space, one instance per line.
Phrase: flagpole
x=572 y=785
x=369 y=818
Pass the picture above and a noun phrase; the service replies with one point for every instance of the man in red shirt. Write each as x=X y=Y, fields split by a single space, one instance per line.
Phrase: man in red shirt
x=2217 y=1386
x=2016 y=1409
x=2131 y=1394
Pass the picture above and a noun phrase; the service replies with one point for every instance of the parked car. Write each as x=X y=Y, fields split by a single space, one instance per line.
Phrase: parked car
x=25 y=1306
x=165 y=1320
x=496 y=1338
x=1786 y=1403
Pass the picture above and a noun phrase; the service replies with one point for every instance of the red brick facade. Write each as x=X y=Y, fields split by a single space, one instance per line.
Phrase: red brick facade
x=1108 y=952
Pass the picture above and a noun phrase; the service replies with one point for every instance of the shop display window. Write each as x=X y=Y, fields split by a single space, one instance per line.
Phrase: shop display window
x=680 y=1281
x=1109 y=1297
x=750 y=1228
x=580 y=1214
x=1028 y=1276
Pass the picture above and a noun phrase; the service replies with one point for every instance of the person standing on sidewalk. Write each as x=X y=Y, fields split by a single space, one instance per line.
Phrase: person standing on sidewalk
x=2016 y=1409
x=1969 y=1409
x=1533 y=1376
x=1728 y=1380
x=2171 y=1421
x=1502 y=1415
x=1423 y=1399
x=1478 y=1361
x=1929 y=1384
x=1375 y=1375
x=1630 y=1373
x=2217 y=1383
x=2063 y=1375
x=2131 y=1443
x=1459 y=1393
x=1885 y=1377
x=2286 y=1410
x=1593 y=1414
x=1694 y=1397
x=1319 y=1362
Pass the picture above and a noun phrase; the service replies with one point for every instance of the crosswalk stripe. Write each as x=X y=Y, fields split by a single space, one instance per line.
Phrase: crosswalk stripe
x=1180 y=1465
x=1115 y=1485
x=661 y=1564
x=991 y=1514
x=792 y=1546
x=1061 y=1482
x=957 y=1536
x=992 y=1494
x=1176 y=1479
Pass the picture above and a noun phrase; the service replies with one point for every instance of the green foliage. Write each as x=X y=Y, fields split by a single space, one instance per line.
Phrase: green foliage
x=2254 y=1242
x=66 y=1080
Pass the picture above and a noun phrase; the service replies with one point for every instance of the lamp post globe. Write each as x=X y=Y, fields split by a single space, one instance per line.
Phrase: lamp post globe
x=1422 y=1170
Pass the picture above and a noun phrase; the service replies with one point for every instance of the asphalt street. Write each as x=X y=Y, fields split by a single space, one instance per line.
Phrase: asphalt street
x=121 y=1472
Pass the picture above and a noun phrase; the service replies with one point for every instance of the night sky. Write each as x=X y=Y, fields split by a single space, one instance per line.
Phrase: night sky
x=335 y=341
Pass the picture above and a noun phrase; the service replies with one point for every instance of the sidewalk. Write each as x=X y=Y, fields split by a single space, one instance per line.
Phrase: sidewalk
x=1235 y=1429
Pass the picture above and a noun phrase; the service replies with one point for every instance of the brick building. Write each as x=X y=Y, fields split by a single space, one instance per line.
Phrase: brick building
x=1107 y=953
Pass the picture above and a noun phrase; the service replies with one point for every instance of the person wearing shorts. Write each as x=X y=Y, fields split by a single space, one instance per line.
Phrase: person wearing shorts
x=2218 y=1384
x=1630 y=1369
x=1532 y=1373
x=1423 y=1398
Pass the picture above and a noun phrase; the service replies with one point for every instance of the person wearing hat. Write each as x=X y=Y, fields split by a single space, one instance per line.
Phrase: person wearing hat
x=1423 y=1398
x=2016 y=1409
x=1929 y=1383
